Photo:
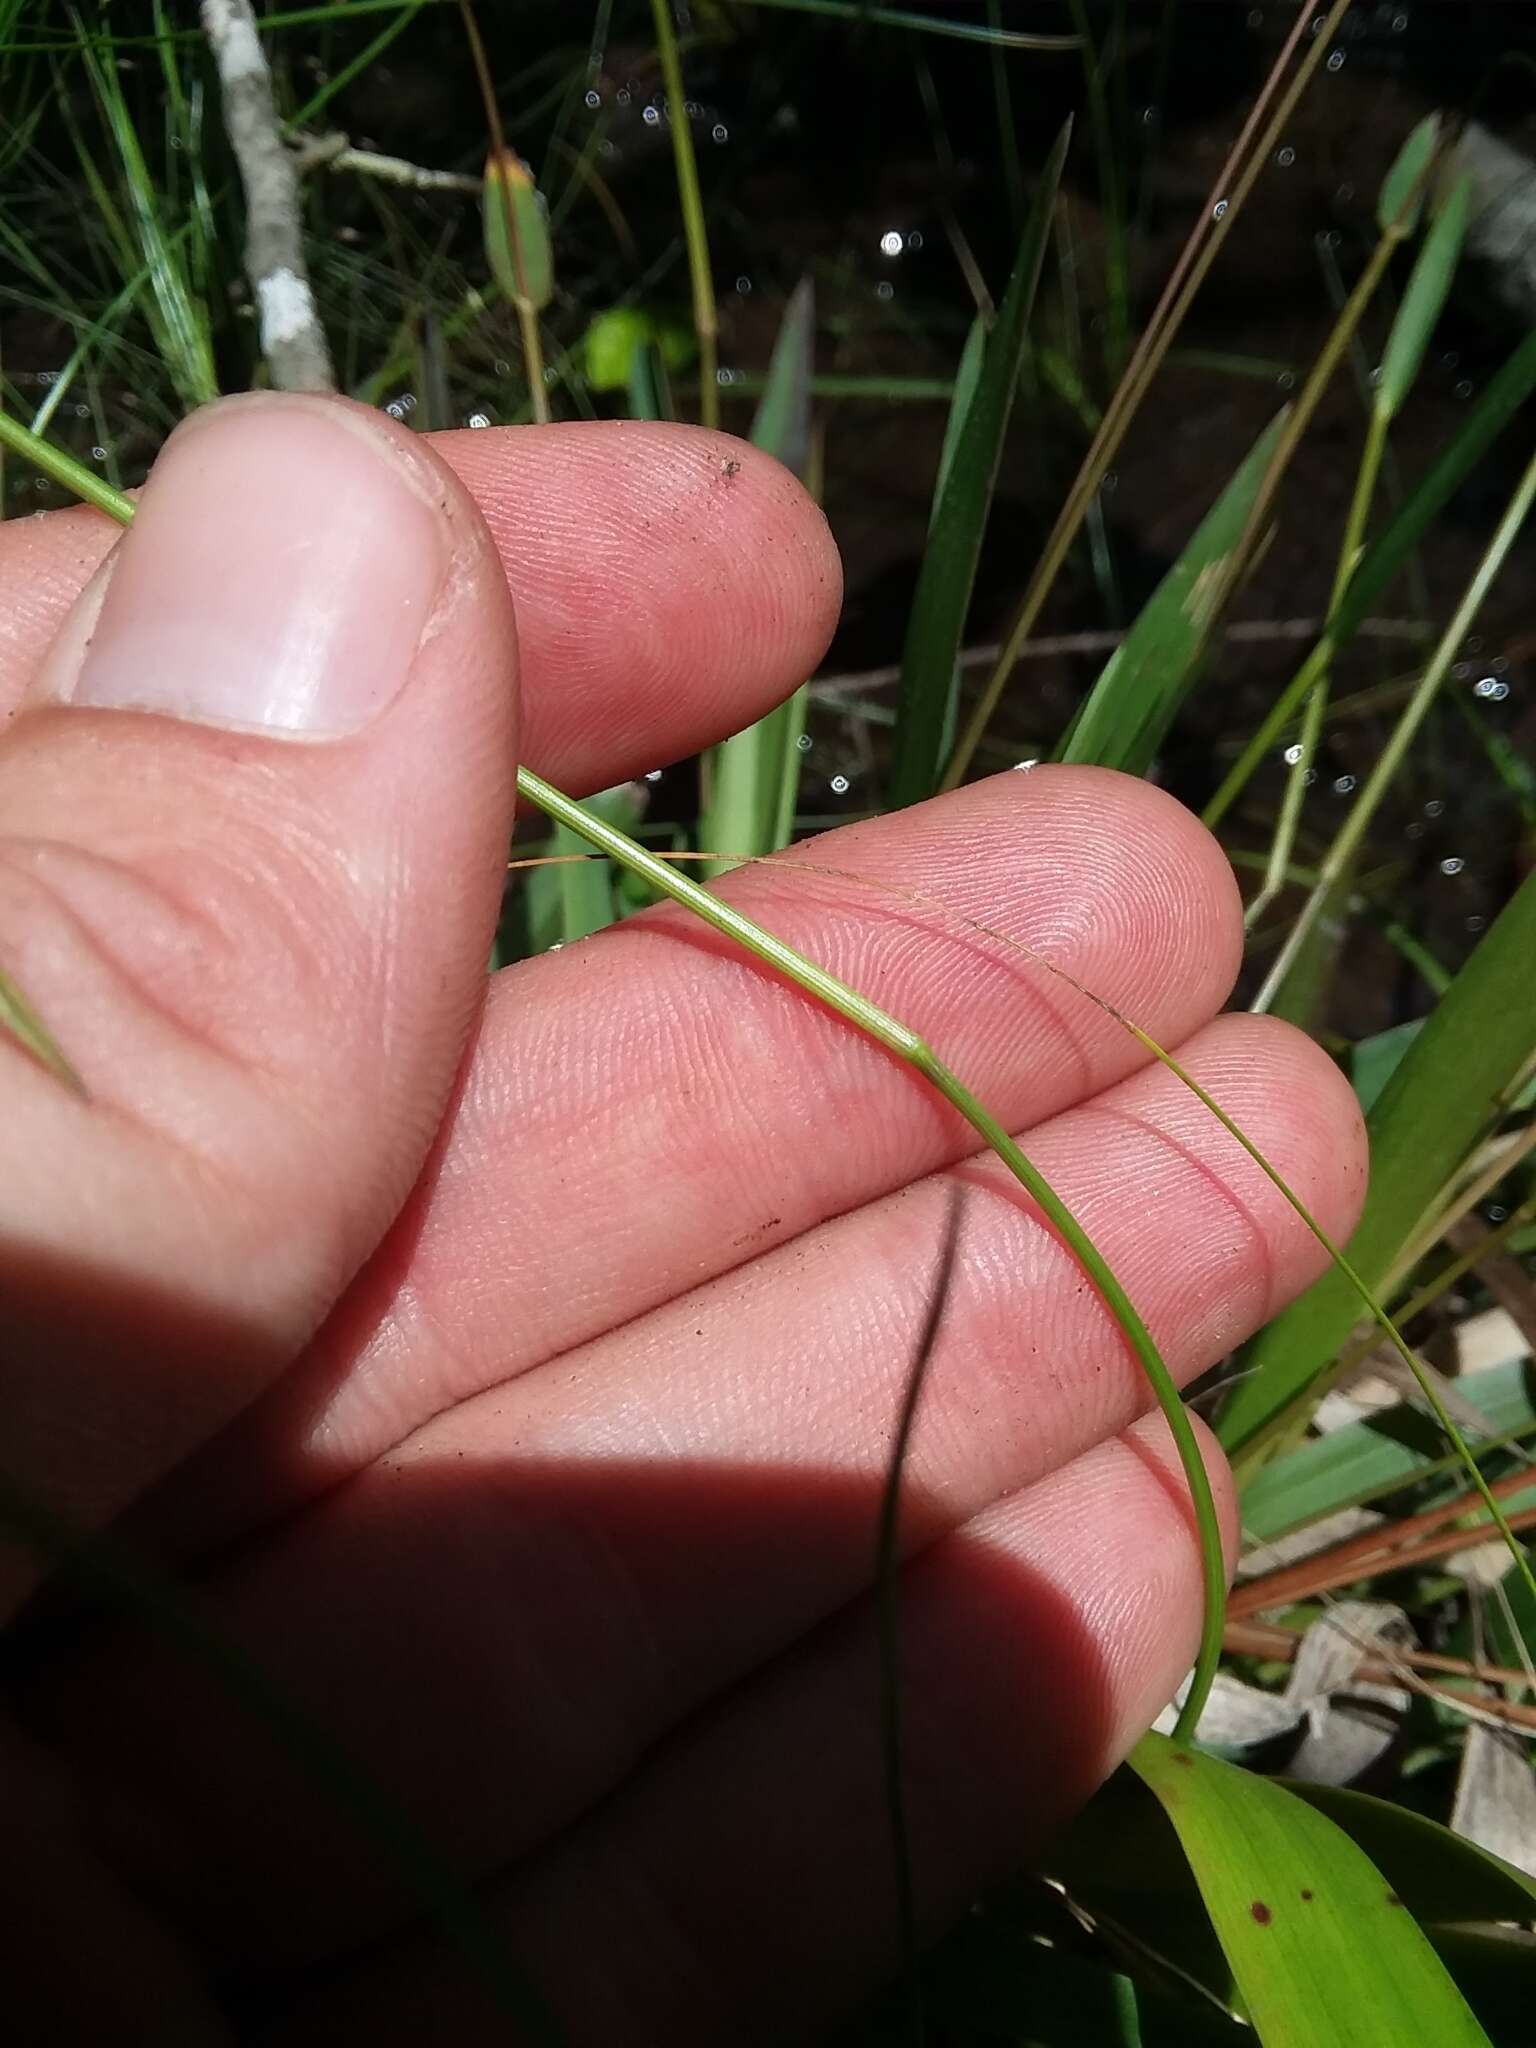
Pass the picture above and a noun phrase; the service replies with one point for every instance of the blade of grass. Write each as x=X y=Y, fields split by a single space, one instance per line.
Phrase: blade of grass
x=706 y=320
x=1127 y=714
x=517 y=248
x=923 y=24
x=1323 y=1952
x=19 y=1021
x=752 y=779
x=929 y=674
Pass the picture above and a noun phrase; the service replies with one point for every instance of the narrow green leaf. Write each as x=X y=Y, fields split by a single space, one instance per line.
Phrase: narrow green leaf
x=1440 y=1877
x=1380 y=1454
x=929 y=675
x=1436 y=1106
x=1424 y=298
x=517 y=248
x=1138 y=694
x=20 y=1021
x=967 y=376
x=1402 y=190
x=866 y=16
x=1375 y=1060
x=782 y=423
x=753 y=778
x=648 y=387
x=574 y=898
x=1324 y=1952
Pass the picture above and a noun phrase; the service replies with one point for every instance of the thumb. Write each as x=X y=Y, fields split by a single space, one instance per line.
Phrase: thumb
x=253 y=831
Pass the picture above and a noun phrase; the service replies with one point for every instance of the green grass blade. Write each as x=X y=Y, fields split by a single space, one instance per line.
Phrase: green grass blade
x=1381 y=1454
x=706 y=318
x=960 y=395
x=1433 y=1110
x=925 y=707
x=1137 y=696
x=1423 y=299
x=1323 y=1952
x=517 y=248
x=753 y=779
x=1401 y=198
x=18 y=1020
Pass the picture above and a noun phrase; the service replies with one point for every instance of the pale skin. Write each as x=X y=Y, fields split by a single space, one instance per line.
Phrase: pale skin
x=523 y=1409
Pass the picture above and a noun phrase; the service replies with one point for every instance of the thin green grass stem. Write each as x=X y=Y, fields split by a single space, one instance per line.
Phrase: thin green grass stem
x=1339 y=856
x=1284 y=844
x=706 y=320
x=1146 y=359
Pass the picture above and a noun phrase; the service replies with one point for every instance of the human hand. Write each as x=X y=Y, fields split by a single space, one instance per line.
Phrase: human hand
x=556 y=1505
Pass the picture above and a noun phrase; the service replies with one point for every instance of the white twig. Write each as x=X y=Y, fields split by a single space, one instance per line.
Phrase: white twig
x=291 y=336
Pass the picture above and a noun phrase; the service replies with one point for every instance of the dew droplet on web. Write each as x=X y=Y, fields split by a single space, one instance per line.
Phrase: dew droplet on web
x=1452 y=864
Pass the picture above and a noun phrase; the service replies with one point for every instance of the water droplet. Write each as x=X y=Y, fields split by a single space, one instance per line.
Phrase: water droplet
x=1308 y=777
x=885 y=289
x=719 y=133
x=1461 y=670
x=1023 y=767
x=1435 y=808
x=725 y=376
x=650 y=116
x=1464 y=387
x=1319 y=23
x=477 y=419
x=1149 y=114
x=1293 y=754
x=1499 y=692
x=1375 y=377
x=1111 y=480
x=1486 y=686
x=1255 y=17
x=692 y=109
x=743 y=286
x=804 y=743
x=82 y=412
x=1496 y=1212
x=1451 y=358
x=1499 y=664
x=892 y=242
x=1452 y=864
x=1473 y=643
x=1335 y=60
x=1414 y=831
x=840 y=785
x=915 y=239
x=502 y=367
x=1343 y=784
x=593 y=97
x=1286 y=379
x=623 y=95
x=1475 y=923
x=653 y=775
x=1285 y=157
x=176 y=142
x=1218 y=211
x=1399 y=23
x=98 y=454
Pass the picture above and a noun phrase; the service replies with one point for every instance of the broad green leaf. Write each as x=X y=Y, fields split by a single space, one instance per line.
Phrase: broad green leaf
x=929 y=665
x=1130 y=708
x=1438 y=1875
x=1324 y=1952
x=1379 y=1455
x=1422 y=301
x=1436 y=1106
x=612 y=336
x=1402 y=190
x=20 y=1021
x=753 y=778
x=517 y=247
